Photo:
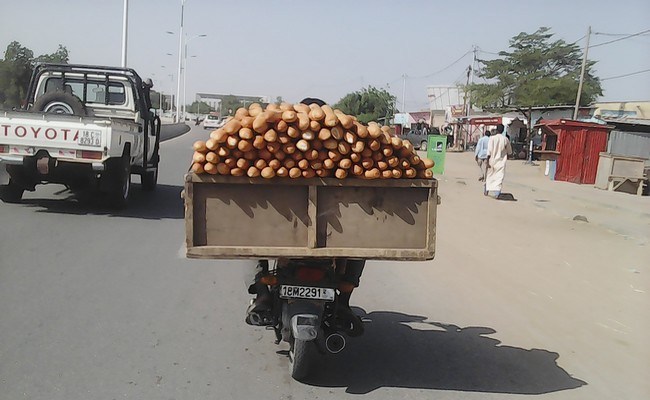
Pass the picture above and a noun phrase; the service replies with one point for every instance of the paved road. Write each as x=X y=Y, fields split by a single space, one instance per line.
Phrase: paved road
x=102 y=305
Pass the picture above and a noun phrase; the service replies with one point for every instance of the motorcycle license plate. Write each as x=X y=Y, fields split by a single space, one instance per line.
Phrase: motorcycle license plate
x=304 y=292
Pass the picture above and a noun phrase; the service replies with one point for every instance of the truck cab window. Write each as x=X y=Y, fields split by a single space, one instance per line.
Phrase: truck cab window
x=95 y=91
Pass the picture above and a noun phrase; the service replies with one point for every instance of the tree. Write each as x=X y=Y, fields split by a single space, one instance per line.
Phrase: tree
x=60 y=56
x=16 y=69
x=229 y=104
x=199 y=108
x=536 y=72
x=368 y=104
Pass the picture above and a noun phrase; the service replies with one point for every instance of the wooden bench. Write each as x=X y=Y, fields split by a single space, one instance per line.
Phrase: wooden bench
x=620 y=183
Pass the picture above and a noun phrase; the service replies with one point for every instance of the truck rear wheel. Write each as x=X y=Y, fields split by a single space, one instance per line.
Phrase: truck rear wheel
x=11 y=193
x=119 y=176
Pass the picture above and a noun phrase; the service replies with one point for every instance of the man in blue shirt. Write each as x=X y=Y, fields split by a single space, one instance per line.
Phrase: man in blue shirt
x=481 y=154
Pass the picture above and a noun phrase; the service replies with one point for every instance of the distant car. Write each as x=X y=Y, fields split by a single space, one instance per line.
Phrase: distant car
x=212 y=122
x=420 y=138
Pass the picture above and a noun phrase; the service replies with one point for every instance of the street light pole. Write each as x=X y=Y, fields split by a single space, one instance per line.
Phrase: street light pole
x=180 y=64
x=171 y=89
x=185 y=70
x=125 y=25
x=404 y=93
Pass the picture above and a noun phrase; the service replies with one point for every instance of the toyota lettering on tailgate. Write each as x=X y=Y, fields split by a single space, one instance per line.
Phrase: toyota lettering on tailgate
x=80 y=136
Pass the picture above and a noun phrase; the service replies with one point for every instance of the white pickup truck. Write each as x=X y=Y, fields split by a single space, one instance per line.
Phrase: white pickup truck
x=87 y=127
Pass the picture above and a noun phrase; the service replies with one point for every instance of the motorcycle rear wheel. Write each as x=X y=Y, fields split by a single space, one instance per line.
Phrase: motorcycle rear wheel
x=300 y=356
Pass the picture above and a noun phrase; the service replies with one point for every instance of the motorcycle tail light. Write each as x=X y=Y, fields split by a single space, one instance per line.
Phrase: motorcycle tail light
x=310 y=274
x=270 y=280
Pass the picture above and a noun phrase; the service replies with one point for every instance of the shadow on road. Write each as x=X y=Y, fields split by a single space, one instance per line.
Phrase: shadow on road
x=163 y=203
x=399 y=350
x=506 y=197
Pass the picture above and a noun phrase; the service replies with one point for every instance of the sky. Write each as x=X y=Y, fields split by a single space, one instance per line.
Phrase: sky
x=326 y=49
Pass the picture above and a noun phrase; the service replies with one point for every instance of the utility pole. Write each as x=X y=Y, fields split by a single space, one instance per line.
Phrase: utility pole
x=582 y=75
x=466 y=106
x=470 y=81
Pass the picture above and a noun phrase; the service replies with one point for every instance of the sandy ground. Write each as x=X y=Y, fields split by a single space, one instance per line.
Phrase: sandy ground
x=544 y=281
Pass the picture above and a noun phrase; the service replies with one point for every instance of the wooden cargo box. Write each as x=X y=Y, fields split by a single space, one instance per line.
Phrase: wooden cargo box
x=240 y=217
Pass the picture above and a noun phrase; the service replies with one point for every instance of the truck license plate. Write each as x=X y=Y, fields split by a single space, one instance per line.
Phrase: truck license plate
x=90 y=138
x=304 y=292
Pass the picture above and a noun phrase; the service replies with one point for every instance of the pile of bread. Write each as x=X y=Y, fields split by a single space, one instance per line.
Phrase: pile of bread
x=306 y=141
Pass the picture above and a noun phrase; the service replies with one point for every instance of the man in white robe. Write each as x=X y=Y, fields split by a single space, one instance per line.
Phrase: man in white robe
x=498 y=150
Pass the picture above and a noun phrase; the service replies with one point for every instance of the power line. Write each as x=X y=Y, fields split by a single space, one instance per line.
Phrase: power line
x=487 y=52
x=577 y=40
x=621 y=38
x=612 y=34
x=442 y=70
x=625 y=75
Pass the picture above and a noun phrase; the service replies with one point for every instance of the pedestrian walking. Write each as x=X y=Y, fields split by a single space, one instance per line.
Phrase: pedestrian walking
x=497 y=154
x=481 y=153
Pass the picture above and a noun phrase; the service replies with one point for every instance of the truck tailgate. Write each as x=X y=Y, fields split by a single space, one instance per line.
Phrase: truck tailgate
x=239 y=217
x=25 y=132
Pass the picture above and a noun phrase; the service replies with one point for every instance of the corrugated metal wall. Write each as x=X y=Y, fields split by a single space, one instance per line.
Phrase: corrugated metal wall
x=595 y=143
x=569 y=163
x=633 y=144
x=579 y=153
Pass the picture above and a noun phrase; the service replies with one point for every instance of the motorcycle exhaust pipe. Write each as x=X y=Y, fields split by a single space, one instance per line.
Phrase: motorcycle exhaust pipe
x=335 y=343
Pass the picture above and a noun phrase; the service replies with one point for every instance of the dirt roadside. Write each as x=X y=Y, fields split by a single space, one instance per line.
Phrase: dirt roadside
x=545 y=281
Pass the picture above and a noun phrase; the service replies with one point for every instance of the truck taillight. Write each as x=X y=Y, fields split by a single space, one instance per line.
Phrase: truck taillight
x=4 y=149
x=93 y=155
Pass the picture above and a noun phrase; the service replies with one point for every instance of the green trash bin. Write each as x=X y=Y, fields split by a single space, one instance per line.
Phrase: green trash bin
x=436 y=151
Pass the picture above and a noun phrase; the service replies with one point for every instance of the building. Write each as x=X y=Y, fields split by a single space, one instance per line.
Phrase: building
x=442 y=97
x=214 y=99
x=622 y=109
x=405 y=121
x=445 y=103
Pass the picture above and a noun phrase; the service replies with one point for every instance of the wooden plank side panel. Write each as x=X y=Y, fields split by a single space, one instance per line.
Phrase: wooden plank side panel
x=312 y=211
x=374 y=217
x=188 y=197
x=432 y=213
x=237 y=215
x=221 y=252
x=205 y=178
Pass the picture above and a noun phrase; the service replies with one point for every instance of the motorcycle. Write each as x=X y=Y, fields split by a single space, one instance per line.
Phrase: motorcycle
x=305 y=311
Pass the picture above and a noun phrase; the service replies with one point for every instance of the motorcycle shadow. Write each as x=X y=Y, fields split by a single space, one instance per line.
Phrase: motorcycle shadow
x=400 y=350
